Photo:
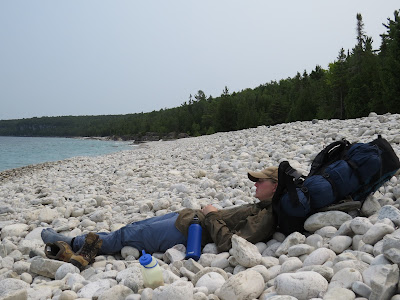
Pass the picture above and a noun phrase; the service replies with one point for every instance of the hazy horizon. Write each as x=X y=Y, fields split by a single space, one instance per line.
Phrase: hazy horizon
x=123 y=57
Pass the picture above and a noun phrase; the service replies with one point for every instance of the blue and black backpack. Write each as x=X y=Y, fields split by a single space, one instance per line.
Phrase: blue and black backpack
x=341 y=170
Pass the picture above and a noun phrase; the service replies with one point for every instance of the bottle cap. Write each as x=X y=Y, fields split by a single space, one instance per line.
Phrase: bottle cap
x=195 y=220
x=145 y=259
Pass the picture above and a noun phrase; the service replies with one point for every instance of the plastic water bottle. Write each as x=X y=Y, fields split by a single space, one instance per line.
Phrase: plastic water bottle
x=193 y=247
x=151 y=271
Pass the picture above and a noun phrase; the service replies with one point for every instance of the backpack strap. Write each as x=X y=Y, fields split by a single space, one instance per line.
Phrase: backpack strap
x=333 y=152
x=288 y=178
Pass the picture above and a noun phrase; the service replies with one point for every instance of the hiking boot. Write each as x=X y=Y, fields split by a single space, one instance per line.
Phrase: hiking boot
x=59 y=250
x=88 y=252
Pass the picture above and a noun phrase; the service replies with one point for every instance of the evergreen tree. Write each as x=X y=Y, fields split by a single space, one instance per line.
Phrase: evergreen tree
x=390 y=65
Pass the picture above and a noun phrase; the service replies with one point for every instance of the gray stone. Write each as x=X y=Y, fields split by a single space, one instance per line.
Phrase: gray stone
x=179 y=290
x=314 y=240
x=47 y=215
x=21 y=267
x=325 y=271
x=192 y=265
x=73 y=280
x=384 y=282
x=186 y=273
x=292 y=264
x=245 y=253
x=210 y=248
x=127 y=251
x=294 y=238
x=91 y=288
x=19 y=230
x=345 y=278
x=11 y=288
x=319 y=257
x=176 y=253
x=212 y=281
x=327 y=231
x=117 y=292
x=370 y=207
x=360 y=225
x=376 y=233
x=339 y=293
x=45 y=267
x=302 y=285
x=390 y=212
x=269 y=261
x=208 y=270
x=271 y=250
x=246 y=285
x=26 y=277
x=354 y=264
x=322 y=219
x=391 y=248
x=300 y=249
x=26 y=246
x=345 y=229
x=340 y=243
x=65 y=269
x=68 y=295
x=206 y=259
x=360 y=288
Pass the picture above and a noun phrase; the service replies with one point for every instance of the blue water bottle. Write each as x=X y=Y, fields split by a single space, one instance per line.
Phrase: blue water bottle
x=193 y=247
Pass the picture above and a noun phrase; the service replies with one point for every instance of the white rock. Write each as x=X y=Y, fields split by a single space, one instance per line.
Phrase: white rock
x=292 y=264
x=339 y=293
x=319 y=257
x=245 y=252
x=376 y=233
x=212 y=281
x=118 y=292
x=246 y=285
x=360 y=225
x=11 y=288
x=47 y=215
x=390 y=212
x=300 y=249
x=179 y=290
x=130 y=251
x=176 y=253
x=294 y=238
x=302 y=285
x=340 y=243
x=18 y=229
x=345 y=278
x=322 y=219
x=65 y=269
x=91 y=288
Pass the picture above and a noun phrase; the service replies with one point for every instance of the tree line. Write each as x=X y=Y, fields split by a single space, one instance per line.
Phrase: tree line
x=359 y=81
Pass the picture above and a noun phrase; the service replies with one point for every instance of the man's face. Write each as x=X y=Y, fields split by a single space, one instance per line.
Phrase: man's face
x=265 y=189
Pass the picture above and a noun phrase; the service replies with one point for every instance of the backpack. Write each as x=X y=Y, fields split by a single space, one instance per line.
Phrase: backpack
x=341 y=170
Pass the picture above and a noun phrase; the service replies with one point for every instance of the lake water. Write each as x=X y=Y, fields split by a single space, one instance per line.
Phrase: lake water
x=17 y=152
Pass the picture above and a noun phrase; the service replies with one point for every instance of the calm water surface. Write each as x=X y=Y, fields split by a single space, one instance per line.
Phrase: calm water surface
x=17 y=152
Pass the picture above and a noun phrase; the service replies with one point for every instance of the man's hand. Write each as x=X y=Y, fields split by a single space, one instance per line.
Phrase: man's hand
x=209 y=208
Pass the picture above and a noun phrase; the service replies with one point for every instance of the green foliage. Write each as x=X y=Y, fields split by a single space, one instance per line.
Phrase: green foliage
x=361 y=81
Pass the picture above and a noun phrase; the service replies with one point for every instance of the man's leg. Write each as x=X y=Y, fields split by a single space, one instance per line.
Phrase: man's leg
x=155 y=234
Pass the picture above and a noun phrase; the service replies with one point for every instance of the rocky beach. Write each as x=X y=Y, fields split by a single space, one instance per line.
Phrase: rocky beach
x=341 y=256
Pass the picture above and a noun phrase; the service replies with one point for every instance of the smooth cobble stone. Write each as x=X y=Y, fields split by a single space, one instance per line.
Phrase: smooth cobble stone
x=104 y=193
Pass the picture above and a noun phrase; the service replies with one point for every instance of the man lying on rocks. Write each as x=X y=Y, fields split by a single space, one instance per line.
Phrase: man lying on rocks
x=253 y=222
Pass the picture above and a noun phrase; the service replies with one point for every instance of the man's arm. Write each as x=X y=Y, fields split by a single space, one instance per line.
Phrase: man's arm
x=219 y=232
x=254 y=227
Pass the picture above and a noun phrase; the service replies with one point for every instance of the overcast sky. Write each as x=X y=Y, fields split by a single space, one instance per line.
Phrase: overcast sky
x=97 y=57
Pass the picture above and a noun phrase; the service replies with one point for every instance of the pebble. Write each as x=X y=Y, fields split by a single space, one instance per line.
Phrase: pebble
x=341 y=256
